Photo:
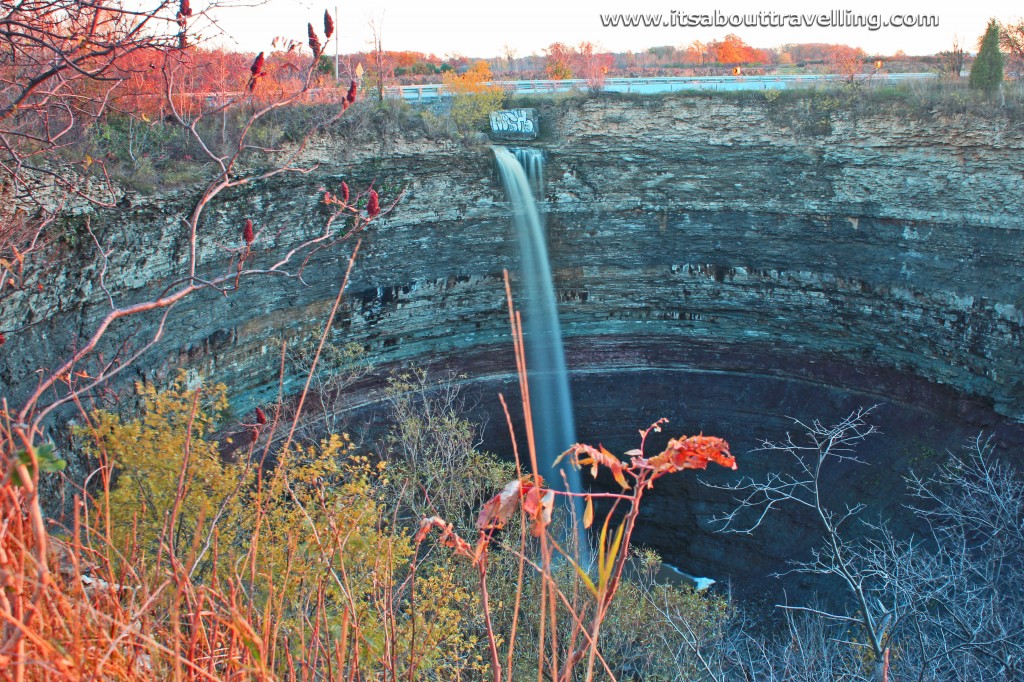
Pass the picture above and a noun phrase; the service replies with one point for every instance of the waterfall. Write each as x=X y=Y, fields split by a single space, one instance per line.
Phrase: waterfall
x=532 y=161
x=550 y=400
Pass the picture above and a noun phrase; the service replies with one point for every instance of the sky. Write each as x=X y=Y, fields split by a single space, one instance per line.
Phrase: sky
x=480 y=29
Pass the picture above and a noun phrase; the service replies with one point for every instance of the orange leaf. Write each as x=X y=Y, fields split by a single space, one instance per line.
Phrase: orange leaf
x=538 y=505
x=693 y=452
x=588 y=456
x=588 y=513
x=449 y=538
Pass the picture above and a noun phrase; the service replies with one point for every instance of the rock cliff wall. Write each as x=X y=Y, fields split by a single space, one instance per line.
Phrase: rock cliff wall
x=727 y=262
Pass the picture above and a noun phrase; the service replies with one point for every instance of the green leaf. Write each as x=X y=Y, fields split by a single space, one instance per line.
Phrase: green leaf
x=254 y=649
x=47 y=458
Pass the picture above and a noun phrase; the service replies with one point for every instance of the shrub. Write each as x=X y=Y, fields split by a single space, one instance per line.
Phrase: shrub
x=303 y=531
x=473 y=98
x=431 y=451
x=987 y=70
x=587 y=605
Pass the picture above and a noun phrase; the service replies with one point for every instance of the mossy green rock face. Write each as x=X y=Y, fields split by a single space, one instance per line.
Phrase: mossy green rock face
x=881 y=260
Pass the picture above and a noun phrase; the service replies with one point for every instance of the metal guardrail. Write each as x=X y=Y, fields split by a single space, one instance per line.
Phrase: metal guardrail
x=435 y=91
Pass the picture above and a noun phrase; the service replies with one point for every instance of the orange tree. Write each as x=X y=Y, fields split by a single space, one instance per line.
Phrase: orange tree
x=733 y=50
x=593 y=65
x=560 y=59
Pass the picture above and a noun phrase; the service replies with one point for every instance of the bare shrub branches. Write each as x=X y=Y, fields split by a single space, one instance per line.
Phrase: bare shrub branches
x=60 y=63
x=815 y=447
x=950 y=602
x=48 y=81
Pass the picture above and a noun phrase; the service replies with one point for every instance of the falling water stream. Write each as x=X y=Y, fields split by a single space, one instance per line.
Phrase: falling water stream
x=550 y=398
x=532 y=161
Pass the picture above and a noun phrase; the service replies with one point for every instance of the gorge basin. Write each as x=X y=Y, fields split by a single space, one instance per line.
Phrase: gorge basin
x=745 y=395
x=719 y=262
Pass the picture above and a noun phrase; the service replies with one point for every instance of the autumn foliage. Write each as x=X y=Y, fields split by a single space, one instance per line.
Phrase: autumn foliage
x=167 y=562
x=560 y=61
x=473 y=96
x=733 y=50
x=845 y=61
x=206 y=78
x=585 y=60
x=537 y=503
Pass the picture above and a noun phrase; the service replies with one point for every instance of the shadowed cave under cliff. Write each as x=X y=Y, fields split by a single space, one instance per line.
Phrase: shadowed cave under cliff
x=746 y=395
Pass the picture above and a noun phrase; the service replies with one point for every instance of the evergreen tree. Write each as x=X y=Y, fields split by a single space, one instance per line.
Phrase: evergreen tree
x=987 y=70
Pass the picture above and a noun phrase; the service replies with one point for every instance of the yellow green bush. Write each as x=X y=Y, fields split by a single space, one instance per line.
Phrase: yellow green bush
x=303 y=529
x=473 y=98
